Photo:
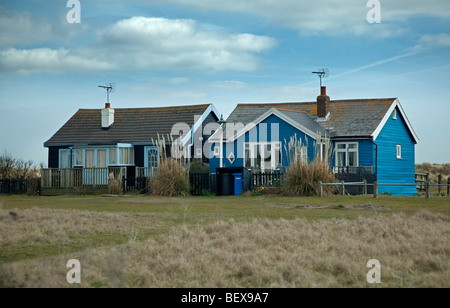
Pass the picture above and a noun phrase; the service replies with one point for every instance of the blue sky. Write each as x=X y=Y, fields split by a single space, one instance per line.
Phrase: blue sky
x=177 y=52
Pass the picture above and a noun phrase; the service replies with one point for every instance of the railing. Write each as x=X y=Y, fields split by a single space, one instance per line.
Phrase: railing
x=77 y=177
x=267 y=179
x=146 y=172
x=352 y=170
x=375 y=185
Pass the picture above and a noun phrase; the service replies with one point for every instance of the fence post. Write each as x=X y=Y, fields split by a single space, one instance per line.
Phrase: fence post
x=320 y=189
x=448 y=187
x=375 y=189
x=439 y=182
x=427 y=192
x=343 y=188
x=365 y=187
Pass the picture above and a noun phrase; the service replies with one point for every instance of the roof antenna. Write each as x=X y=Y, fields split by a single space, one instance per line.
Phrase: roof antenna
x=109 y=89
x=323 y=73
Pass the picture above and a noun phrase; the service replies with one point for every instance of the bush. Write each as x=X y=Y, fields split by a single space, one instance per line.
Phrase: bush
x=197 y=166
x=173 y=178
x=303 y=177
x=115 y=186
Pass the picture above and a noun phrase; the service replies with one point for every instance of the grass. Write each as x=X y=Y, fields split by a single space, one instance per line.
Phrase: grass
x=47 y=230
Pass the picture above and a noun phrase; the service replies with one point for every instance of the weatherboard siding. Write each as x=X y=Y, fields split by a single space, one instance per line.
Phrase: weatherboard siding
x=390 y=169
x=285 y=132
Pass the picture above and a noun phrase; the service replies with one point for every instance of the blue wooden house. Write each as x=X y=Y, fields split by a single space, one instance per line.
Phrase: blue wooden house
x=370 y=135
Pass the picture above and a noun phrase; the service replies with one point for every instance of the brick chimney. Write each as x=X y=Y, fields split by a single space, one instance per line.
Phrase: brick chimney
x=107 y=116
x=323 y=103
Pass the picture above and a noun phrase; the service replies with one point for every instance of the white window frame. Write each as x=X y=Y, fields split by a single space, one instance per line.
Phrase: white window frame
x=346 y=151
x=68 y=157
x=394 y=114
x=399 y=151
x=130 y=148
x=146 y=160
x=253 y=147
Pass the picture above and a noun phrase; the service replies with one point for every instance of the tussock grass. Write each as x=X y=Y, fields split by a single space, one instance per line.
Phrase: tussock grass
x=33 y=233
x=303 y=177
x=413 y=251
x=173 y=178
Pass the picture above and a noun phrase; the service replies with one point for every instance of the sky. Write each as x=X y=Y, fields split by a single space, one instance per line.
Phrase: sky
x=180 y=52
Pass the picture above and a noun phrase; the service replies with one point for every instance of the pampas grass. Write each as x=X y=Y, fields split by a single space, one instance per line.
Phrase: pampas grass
x=303 y=177
x=173 y=178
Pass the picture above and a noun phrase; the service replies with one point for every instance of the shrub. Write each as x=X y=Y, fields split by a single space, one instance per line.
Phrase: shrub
x=115 y=185
x=173 y=178
x=303 y=177
x=197 y=166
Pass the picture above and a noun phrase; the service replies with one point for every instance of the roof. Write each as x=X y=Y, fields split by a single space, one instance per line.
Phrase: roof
x=298 y=119
x=348 y=118
x=131 y=125
x=304 y=120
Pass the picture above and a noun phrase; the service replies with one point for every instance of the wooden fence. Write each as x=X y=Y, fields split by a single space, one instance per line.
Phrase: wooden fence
x=29 y=186
x=202 y=184
x=342 y=187
x=267 y=179
x=77 y=177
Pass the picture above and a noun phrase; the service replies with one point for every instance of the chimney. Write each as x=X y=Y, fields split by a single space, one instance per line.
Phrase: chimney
x=323 y=102
x=107 y=116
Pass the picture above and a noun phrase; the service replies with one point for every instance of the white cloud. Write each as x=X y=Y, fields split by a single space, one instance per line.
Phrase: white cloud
x=430 y=41
x=141 y=43
x=159 y=43
x=329 y=16
x=45 y=60
x=229 y=84
x=22 y=29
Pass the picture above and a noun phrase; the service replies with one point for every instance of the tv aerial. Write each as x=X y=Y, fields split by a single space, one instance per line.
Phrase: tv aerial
x=322 y=73
x=110 y=87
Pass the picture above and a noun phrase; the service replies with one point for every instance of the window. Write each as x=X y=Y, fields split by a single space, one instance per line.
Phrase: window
x=217 y=151
x=347 y=154
x=126 y=156
x=63 y=159
x=152 y=158
x=394 y=114
x=323 y=149
x=264 y=155
x=399 y=151
x=89 y=159
x=101 y=158
x=113 y=156
x=247 y=158
x=78 y=157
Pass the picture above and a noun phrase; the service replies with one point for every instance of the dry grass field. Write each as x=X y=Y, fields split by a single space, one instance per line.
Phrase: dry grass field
x=224 y=242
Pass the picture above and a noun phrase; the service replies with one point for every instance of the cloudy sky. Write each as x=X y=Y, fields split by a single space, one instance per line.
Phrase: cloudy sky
x=176 y=52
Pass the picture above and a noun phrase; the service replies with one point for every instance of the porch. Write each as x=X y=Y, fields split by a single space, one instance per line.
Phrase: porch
x=57 y=181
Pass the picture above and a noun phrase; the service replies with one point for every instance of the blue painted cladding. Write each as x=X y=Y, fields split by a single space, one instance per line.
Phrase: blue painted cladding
x=390 y=169
x=273 y=125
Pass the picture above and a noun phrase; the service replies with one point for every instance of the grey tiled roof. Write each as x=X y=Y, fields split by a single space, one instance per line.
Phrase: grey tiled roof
x=130 y=125
x=305 y=120
x=348 y=118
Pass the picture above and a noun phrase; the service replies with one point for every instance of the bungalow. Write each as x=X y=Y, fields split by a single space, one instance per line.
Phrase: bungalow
x=373 y=135
x=126 y=138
